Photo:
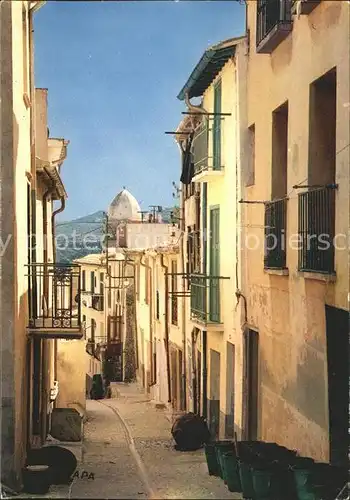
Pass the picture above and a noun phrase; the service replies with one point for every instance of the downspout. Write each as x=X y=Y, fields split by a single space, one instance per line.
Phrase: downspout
x=46 y=196
x=56 y=212
x=166 y=336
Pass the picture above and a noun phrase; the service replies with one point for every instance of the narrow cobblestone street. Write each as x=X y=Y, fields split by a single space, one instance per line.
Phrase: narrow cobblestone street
x=128 y=452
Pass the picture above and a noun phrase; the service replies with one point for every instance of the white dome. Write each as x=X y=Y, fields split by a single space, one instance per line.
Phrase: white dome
x=124 y=207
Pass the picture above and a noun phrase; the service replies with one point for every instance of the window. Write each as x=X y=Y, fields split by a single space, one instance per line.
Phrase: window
x=279 y=151
x=83 y=280
x=217 y=127
x=276 y=210
x=109 y=298
x=157 y=304
x=102 y=277
x=317 y=205
x=174 y=318
x=147 y=284
x=250 y=172
x=93 y=330
x=92 y=281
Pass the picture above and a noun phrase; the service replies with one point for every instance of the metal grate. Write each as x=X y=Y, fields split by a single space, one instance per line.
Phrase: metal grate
x=275 y=231
x=271 y=13
x=316 y=216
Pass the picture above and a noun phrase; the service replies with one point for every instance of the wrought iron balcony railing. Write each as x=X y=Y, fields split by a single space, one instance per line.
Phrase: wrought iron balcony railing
x=97 y=302
x=205 y=298
x=304 y=6
x=207 y=131
x=275 y=234
x=273 y=23
x=54 y=300
x=316 y=218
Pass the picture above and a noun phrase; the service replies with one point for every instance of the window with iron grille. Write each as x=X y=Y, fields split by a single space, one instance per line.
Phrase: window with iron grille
x=317 y=230
x=271 y=14
x=275 y=234
x=174 y=318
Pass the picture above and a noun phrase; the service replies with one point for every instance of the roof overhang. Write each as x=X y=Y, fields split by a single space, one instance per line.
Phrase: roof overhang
x=57 y=150
x=208 y=67
x=50 y=172
x=34 y=6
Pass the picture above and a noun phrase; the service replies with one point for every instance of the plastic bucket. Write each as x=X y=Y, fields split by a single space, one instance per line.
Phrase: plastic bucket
x=36 y=479
x=246 y=477
x=231 y=472
x=212 y=463
x=220 y=448
x=262 y=483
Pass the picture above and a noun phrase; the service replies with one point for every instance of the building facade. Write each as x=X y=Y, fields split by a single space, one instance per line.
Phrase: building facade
x=36 y=306
x=296 y=216
x=209 y=138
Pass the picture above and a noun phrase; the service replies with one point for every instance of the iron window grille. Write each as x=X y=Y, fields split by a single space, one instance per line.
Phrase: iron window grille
x=275 y=234
x=270 y=14
x=316 y=220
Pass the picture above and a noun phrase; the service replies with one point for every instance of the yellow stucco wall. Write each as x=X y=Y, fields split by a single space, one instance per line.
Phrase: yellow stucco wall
x=289 y=311
x=71 y=374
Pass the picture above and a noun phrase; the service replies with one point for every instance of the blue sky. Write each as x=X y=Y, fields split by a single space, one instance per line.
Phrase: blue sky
x=113 y=70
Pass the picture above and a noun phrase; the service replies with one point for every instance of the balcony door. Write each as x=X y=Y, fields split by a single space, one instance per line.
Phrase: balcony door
x=214 y=265
x=217 y=127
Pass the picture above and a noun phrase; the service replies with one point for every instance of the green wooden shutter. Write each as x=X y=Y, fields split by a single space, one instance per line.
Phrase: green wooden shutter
x=214 y=290
x=217 y=128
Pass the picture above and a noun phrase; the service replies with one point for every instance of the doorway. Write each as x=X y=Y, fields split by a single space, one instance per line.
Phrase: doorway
x=337 y=332
x=250 y=384
x=214 y=397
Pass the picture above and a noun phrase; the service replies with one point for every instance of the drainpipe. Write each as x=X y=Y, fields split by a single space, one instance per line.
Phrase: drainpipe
x=166 y=337
x=56 y=212
x=46 y=196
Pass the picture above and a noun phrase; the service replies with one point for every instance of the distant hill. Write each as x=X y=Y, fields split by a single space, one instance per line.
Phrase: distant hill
x=84 y=236
x=79 y=237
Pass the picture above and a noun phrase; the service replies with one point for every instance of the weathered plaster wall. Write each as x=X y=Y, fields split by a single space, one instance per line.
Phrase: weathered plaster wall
x=288 y=311
x=71 y=374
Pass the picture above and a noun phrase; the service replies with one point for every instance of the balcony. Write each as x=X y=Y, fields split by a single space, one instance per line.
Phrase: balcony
x=97 y=302
x=273 y=24
x=53 y=299
x=275 y=234
x=304 y=6
x=316 y=220
x=207 y=168
x=205 y=300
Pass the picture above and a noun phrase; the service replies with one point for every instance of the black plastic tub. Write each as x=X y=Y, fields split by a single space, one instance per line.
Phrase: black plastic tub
x=36 y=479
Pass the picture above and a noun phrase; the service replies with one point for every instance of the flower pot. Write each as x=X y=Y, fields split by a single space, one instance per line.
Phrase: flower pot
x=262 y=483
x=212 y=463
x=245 y=475
x=220 y=448
x=303 y=471
x=231 y=472
x=36 y=479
